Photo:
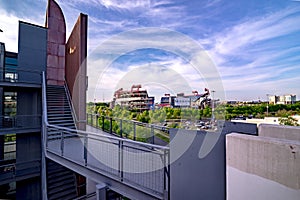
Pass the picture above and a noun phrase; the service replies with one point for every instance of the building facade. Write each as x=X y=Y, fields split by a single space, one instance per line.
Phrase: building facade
x=40 y=49
x=283 y=99
x=136 y=99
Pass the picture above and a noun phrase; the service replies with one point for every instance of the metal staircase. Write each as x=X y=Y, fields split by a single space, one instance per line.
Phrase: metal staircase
x=61 y=182
x=59 y=110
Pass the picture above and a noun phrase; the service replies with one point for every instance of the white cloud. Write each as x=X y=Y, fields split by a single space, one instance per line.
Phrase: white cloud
x=256 y=55
x=9 y=23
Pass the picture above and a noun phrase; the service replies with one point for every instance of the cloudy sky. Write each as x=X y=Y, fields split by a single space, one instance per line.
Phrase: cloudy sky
x=172 y=46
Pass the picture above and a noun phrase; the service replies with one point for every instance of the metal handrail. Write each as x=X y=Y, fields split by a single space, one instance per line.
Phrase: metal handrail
x=70 y=102
x=43 y=138
x=97 y=135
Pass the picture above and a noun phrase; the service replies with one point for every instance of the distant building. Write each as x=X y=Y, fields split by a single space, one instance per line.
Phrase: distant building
x=194 y=100
x=182 y=102
x=167 y=101
x=266 y=120
x=283 y=99
x=134 y=99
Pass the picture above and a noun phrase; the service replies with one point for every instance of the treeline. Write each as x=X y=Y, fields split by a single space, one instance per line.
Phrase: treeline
x=150 y=116
x=222 y=111
x=261 y=110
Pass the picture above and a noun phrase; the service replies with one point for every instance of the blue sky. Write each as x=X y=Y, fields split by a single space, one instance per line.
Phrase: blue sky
x=255 y=45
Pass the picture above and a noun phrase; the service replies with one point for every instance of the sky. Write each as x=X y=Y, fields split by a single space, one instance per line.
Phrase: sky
x=243 y=50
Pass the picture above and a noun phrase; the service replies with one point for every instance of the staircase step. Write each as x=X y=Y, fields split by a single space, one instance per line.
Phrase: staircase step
x=62 y=188
x=59 y=184
x=60 y=121
x=59 y=111
x=56 y=177
x=60 y=117
x=59 y=114
x=64 y=195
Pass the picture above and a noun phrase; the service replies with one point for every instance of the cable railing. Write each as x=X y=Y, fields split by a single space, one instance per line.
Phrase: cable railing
x=130 y=129
x=20 y=122
x=142 y=166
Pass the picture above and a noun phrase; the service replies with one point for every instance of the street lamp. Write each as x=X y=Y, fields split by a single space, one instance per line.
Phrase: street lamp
x=267 y=105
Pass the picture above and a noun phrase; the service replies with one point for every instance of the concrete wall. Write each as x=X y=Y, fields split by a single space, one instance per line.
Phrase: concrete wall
x=32 y=52
x=195 y=178
x=262 y=167
x=76 y=68
x=280 y=131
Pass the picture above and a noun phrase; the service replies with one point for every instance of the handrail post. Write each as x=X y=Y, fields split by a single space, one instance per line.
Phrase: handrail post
x=62 y=143
x=121 y=164
x=152 y=134
x=110 y=126
x=97 y=123
x=85 y=149
x=121 y=128
x=102 y=122
x=134 y=131
x=168 y=173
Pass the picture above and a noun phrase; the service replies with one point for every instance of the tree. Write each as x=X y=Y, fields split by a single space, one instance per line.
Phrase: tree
x=289 y=121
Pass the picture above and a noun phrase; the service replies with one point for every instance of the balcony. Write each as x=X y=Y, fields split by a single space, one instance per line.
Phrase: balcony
x=20 y=124
x=19 y=77
x=10 y=170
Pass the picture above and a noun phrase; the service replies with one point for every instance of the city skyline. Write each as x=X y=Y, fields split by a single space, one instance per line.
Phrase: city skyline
x=254 y=45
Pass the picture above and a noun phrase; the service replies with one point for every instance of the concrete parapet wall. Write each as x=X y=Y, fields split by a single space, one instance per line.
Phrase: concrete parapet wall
x=271 y=158
x=279 y=131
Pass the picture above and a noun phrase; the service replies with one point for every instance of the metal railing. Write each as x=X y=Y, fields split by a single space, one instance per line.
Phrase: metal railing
x=9 y=150
x=20 y=122
x=12 y=171
x=20 y=75
x=142 y=166
x=71 y=104
x=130 y=129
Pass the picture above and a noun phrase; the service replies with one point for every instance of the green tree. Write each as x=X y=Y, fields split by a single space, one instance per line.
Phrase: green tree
x=289 y=121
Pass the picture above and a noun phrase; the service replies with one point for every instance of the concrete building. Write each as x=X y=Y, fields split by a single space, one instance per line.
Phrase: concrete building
x=135 y=99
x=283 y=99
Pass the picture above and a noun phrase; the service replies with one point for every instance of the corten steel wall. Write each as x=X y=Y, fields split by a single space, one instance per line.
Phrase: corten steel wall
x=76 y=53
x=55 y=22
x=195 y=178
